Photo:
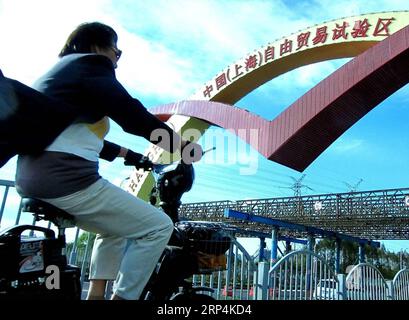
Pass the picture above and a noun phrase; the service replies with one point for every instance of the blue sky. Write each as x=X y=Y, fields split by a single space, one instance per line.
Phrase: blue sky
x=172 y=47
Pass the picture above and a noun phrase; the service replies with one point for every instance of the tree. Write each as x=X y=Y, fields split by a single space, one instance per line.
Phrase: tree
x=388 y=263
x=82 y=242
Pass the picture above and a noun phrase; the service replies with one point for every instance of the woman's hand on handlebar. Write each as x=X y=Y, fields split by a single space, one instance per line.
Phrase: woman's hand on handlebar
x=139 y=161
x=190 y=152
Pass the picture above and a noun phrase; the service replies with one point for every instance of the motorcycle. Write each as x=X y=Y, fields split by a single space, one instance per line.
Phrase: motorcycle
x=195 y=247
x=36 y=267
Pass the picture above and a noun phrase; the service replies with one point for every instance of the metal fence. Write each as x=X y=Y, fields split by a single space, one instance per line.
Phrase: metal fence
x=237 y=281
x=81 y=256
x=400 y=285
x=302 y=275
x=365 y=282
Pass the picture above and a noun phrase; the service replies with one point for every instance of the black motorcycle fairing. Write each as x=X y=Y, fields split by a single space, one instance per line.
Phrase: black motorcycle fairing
x=176 y=264
x=171 y=185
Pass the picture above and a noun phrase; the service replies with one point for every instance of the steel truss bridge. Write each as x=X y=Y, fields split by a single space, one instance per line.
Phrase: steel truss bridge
x=380 y=214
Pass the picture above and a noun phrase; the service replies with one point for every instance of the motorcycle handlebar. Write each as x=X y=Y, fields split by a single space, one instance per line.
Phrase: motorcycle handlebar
x=159 y=167
x=147 y=165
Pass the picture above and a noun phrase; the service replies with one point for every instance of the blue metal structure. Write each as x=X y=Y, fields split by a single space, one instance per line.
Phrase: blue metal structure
x=311 y=231
x=376 y=214
x=229 y=213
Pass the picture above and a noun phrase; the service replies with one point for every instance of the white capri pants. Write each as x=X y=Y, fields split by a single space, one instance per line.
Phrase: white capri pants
x=117 y=216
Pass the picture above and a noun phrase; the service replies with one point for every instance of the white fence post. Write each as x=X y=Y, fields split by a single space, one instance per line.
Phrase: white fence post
x=390 y=289
x=262 y=285
x=342 y=289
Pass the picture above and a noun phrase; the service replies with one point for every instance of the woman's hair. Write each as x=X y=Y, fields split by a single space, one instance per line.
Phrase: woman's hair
x=87 y=35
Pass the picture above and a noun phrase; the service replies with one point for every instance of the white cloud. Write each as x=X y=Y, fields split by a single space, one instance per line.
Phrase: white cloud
x=345 y=8
x=170 y=47
x=33 y=32
x=8 y=171
x=310 y=75
x=305 y=77
x=343 y=146
x=149 y=68
x=173 y=54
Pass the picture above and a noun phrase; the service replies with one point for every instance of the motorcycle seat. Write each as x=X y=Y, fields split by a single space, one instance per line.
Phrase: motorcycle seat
x=45 y=211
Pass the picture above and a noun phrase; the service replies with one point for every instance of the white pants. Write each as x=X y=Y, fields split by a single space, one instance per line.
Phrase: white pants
x=117 y=216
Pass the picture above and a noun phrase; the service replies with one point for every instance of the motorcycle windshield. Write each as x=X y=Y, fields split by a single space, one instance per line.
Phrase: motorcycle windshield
x=163 y=168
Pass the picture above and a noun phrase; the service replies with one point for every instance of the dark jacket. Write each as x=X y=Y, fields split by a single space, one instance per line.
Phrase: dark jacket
x=29 y=121
x=88 y=81
x=80 y=87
